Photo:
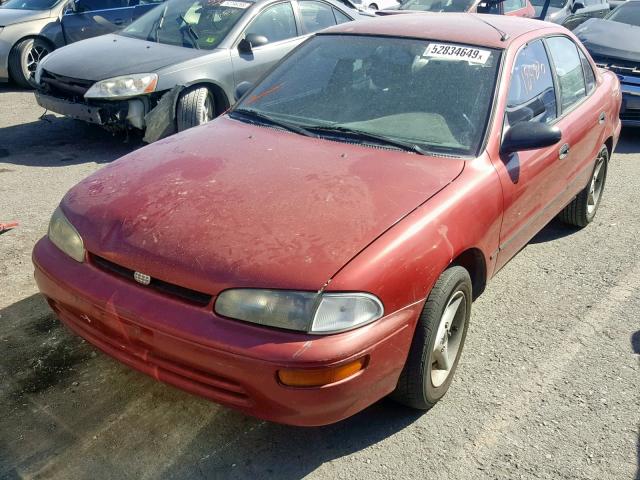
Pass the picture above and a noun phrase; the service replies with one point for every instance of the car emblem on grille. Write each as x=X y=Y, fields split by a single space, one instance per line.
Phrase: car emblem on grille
x=141 y=278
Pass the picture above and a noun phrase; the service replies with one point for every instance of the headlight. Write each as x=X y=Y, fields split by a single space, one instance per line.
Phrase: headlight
x=64 y=236
x=303 y=311
x=123 y=87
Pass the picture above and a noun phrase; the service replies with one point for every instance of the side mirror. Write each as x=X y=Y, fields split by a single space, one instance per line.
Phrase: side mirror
x=529 y=136
x=251 y=41
x=577 y=6
x=241 y=89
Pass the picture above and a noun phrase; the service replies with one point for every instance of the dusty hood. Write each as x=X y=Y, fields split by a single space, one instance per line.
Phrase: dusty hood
x=9 y=16
x=231 y=204
x=604 y=38
x=112 y=55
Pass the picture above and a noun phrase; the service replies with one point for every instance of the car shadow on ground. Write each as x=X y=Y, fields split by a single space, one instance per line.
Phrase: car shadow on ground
x=42 y=361
x=57 y=142
x=554 y=230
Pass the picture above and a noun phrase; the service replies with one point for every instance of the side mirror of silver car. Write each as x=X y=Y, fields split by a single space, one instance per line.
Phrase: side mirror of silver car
x=251 y=41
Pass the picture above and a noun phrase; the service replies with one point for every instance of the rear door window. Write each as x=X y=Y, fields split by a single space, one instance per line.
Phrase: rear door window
x=569 y=71
x=316 y=15
x=532 y=96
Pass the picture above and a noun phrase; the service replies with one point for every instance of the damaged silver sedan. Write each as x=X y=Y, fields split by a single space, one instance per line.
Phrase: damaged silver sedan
x=177 y=66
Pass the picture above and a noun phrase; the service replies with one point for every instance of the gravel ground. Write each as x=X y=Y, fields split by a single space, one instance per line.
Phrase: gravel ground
x=548 y=386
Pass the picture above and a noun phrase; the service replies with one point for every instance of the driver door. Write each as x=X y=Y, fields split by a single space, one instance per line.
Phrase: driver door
x=278 y=24
x=91 y=18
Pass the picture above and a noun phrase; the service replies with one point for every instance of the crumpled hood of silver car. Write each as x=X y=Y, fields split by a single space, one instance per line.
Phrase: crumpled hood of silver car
x=113 y=55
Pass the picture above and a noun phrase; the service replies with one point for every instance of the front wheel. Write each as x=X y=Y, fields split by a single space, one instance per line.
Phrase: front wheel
x=195 y=107
x=24 y=59
x=437 y=342
x=582 y=210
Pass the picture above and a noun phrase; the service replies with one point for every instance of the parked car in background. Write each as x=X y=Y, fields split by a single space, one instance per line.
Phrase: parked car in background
x=363 y=5
x=178 y=66
x=517 y=8
x=614 y=44
x=31 y=29
x=320 y=245
x=570 y=13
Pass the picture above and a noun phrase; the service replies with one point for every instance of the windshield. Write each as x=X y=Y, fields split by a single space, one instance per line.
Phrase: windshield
x=437 y=5
x=552 y=4
x=626 y=13
x=30 y=4
x=189 y=23
x=436 y=96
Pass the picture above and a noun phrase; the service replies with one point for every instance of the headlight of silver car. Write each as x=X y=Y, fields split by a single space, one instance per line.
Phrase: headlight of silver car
x=64 y=236
x=123 y=87
x=302 y=311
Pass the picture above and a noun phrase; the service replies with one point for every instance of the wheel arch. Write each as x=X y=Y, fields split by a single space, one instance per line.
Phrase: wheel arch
x=220 y=97
x=472 y=259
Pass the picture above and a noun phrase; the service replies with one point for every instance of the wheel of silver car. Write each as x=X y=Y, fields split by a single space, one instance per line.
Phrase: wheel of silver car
x=437 y=342
x=582 y=210
x=195 y=107
x=24 y=59
x=373 y=6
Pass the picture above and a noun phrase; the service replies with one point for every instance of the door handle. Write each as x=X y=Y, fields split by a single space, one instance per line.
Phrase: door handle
x=602 y=118
x=564 y=151
x=118 y=21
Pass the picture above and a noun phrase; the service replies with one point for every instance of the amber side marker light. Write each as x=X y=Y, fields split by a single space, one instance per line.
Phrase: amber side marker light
x=320 y=376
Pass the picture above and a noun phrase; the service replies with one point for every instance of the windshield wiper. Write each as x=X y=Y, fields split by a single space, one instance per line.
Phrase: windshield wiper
x=192 y=33
x=254 y=114
x=368 y=137
x=159 y=23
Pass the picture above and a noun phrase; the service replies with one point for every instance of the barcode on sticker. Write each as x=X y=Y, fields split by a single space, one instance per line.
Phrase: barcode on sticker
x=232 y=4
x=456 y=52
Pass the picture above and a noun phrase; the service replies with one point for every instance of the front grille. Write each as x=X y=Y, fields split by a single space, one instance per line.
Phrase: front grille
x=169 y=289
x=64 y=87
x=630 y=115
x=620 y=67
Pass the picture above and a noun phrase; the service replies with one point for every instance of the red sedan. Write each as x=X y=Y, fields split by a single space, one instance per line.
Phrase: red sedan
x=319 y=246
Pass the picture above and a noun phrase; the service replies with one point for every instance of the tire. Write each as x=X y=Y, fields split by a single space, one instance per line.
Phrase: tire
x=24 y=58
x=421 y=384
x=373 y=6
x=195 y=107
x=582 y=209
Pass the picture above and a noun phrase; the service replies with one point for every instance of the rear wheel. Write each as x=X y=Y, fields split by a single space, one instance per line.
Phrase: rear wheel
x=582 y=210
x=437 y=342
x=24 y=59
x=195 y=107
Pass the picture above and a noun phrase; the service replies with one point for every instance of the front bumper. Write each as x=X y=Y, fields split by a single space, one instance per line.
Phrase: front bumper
x=229 y=362
x=117 y=114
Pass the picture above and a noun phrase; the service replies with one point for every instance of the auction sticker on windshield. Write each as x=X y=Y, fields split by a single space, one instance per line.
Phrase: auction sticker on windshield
x=456 y=52
x=233 y=4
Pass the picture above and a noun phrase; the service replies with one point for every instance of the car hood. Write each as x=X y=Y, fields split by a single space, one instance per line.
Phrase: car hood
x=231 y=204
x=605 y=38
x=10 y=16
x=112 y=55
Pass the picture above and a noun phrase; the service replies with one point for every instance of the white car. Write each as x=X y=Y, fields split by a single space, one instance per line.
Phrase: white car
x=371 y=4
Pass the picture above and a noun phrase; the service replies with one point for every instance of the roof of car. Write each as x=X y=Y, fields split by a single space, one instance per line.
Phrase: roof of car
x=469 y=28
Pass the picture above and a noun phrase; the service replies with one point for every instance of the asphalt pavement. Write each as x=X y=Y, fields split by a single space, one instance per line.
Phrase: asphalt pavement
x=548 y=386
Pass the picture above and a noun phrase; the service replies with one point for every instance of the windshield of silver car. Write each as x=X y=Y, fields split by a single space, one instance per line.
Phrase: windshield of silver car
x=437 y=5
x=425 y=96
x=30 y=4
x=200 y=24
